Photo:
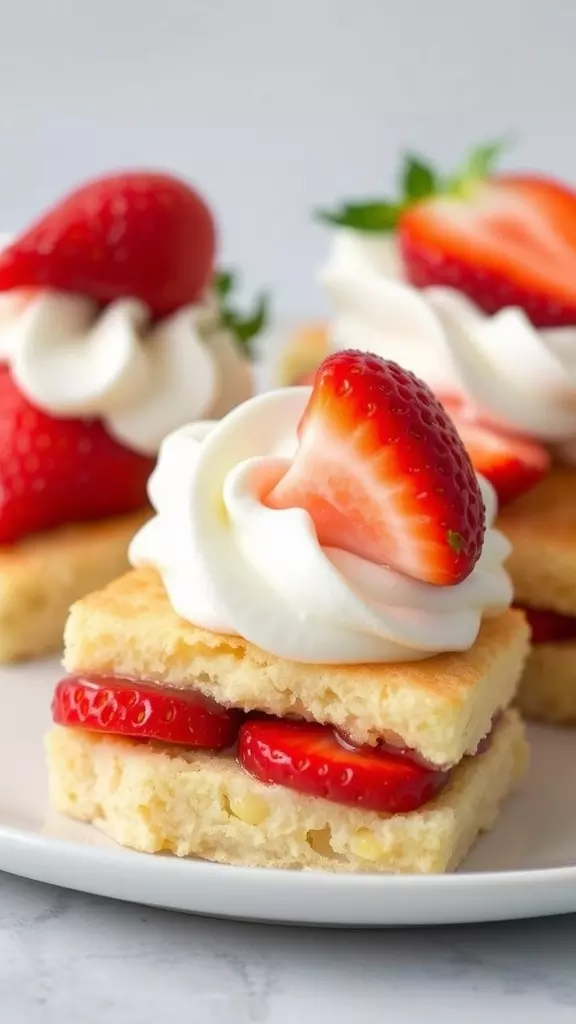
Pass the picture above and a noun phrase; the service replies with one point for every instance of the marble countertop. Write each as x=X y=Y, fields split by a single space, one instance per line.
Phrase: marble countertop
x=66 y=958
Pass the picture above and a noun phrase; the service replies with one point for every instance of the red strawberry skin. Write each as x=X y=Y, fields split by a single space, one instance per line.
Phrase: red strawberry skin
x=57 y=471
x=549 y=627
x=139 y=234
x=311 y=759
x=512 y=464
x=128 y=707
x=383 y=473
x=507 y=241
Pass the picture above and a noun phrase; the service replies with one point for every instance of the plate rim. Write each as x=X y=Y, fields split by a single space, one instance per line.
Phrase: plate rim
x=22 y=851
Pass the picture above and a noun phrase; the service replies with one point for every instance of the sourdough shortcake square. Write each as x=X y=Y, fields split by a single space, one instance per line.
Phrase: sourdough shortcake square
x=115 y=328
x=313 y=661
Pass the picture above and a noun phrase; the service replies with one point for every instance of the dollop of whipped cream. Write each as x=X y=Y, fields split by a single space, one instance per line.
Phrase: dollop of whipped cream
x=523 y=377
x=142 y=379
x=232 y=565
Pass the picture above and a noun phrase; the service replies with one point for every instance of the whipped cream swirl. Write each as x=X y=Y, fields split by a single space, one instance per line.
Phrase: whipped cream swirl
x=521 y=376
x=232 y=565
x=143 y=379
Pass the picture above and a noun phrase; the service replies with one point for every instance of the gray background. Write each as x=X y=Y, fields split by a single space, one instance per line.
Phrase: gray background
x=273 y=106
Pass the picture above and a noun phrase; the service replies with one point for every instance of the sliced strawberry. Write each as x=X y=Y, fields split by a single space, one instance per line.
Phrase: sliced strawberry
x=383 y=473
x=311 y=759
x=549 y=627
x=56 y=471
x=512 y=464
x=502 y=240
x=146 y=711
x=139 y=234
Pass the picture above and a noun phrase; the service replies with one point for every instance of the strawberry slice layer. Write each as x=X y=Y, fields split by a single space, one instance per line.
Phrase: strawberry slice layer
x=146 y=711
x=512 y=464
x=382 y=472
x=311 y=759
x=548 y=626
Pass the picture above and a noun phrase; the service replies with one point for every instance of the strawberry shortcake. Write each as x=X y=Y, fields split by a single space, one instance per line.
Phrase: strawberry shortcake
x=313 y=661
x=112 y=334
x=470 y=281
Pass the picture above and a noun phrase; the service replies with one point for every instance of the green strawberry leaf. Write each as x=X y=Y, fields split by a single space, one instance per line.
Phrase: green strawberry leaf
x=418 y=179
x=224 y=283
x=480 y=163
x=244 y=326
x=418 y=183
x=374 y=215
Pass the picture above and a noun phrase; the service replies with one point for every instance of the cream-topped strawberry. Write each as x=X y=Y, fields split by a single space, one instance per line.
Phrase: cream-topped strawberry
x=501 y=239
x=383 y=473
x=139 y=234
x=115 y=328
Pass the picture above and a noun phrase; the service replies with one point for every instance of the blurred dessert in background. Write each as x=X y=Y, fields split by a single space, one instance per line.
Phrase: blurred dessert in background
x=469 y=279
x=115 y=328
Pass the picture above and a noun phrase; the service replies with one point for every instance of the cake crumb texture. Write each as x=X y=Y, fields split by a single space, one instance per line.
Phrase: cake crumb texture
x=541 y=528
x=548 y=688
x=42 y=575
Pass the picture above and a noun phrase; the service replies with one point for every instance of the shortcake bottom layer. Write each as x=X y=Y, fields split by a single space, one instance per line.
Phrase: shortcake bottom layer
x=155 y=799
x=43 y=575
x=548 y=688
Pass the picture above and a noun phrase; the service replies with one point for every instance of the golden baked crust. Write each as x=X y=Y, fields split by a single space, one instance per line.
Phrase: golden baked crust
x=441 y=707
x=542 y=528
x=42 y=575
x=302 y=353
x=154 y=799
x=548 y=688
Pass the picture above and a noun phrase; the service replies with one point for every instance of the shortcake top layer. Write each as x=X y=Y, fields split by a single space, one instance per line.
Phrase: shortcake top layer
x=441 y=707
x=541 y=527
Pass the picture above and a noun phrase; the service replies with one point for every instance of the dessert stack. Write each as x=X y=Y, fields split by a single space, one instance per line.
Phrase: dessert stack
x=313 y=660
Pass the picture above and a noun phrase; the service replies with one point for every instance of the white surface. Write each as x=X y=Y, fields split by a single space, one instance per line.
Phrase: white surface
x=275 y=108
x=526 y=867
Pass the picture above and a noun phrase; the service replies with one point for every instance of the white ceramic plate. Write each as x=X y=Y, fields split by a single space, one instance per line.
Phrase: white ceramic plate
x=525 y=868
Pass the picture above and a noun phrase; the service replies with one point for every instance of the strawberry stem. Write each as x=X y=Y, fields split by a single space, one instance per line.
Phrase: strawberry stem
x=418 y=181
x=244 y=326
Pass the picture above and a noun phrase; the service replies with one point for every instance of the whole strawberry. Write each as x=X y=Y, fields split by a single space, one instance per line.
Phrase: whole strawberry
x=383 y=473
x=140 y=234
x=56 y=471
